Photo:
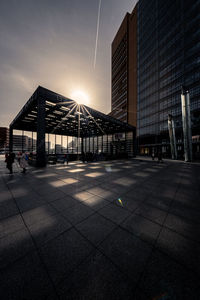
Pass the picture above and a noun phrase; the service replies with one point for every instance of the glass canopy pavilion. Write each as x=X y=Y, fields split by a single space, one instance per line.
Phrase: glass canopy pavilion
x=47 y=113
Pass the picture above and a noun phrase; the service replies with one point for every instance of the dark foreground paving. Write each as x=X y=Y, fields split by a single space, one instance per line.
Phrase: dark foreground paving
x=105 y=230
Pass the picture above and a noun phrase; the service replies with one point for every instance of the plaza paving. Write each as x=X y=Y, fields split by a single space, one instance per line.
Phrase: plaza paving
x=126 y=229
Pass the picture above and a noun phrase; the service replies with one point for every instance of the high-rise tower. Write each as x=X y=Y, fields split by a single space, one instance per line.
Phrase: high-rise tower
x=155 y=52
x=124 y=70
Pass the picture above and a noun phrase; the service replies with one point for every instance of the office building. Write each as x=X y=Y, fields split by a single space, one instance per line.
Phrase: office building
x=124 y=70
x=168 y=56
x=4 y=138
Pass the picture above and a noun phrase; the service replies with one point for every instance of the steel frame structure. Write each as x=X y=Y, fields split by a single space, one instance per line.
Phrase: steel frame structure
x=52 y=113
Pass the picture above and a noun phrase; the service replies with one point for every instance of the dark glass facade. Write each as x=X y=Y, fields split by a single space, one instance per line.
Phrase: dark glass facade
x=168 y=53
x=120 y=80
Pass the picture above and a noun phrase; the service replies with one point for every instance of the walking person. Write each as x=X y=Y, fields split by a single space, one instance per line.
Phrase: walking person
x=153 y=155
x=66 y=158
x=160 y=157
x=23 y=162
x=10 y=160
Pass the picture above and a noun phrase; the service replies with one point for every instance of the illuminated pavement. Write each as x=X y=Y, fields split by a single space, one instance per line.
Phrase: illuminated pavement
x=104 y=230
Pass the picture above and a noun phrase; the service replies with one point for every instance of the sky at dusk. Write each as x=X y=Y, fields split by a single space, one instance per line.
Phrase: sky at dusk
x=52 y=44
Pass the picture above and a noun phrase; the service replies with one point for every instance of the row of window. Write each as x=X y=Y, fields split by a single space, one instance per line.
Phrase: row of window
x=116 y=80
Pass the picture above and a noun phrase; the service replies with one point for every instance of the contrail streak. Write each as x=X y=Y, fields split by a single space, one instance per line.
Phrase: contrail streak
x=97 y=34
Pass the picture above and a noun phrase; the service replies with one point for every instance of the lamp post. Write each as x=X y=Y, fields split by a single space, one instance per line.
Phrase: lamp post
x=172 y=136
x=186 y=120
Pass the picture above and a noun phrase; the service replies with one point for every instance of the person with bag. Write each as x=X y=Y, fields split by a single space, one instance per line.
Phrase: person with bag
x=23 y=162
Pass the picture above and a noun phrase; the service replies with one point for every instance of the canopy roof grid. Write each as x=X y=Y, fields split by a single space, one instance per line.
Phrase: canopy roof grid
x=64 y=116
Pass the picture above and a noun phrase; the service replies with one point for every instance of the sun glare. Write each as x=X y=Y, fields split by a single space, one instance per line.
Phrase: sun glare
x=80 y=97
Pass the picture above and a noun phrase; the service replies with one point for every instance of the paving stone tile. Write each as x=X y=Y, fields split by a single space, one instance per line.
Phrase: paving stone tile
x=137 y=194
x=96 y=202
x=38 y=214
x=54 y=195
x=114 y=213
x=64 y=203
x=142 y=228
x=183 y=226
x=63 y=254
x=152 y=213
x=8 y=209
x=128 y=202
x=97 y=278
x=14 y=246
x=190 y=201
x=5 y=195
x=129 y=253
x=102 y=192
x=26 y=279
x=29 y=202
x=183 y=210
x=165 y=279
x=95 y=228
x=11 y=225
x=48 y=229
x=159 y=201
x=82 y=196
x=77 y=213
x=180 y=248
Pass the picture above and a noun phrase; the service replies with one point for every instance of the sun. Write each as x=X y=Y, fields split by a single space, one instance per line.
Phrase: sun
x=80 y=97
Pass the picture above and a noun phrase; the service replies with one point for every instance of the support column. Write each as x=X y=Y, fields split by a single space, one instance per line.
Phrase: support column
x=67 y=145
x=32 y=142
x=125 y=142
x=82 y=146
x=134 y=144
x=48 y=143
x=186 y=120
x=55 y=145
x=41 y=157
x=11 y=139
x=172 y=136
x=61 y=144
x=22 y=140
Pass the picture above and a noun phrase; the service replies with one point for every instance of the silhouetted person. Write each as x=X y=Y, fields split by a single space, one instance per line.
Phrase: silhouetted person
x=10 y=160
x=153 y=155
x=67 y=158
x=160 y=156
x=83 y=157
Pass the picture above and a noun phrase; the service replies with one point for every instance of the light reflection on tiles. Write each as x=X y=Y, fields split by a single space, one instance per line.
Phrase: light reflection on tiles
x=95 y=174
x=57 y=183
x=115 y=170
x=95 y=167
x=141 y=174
x=127 y=167
x=151 y=170
x=94 y=201
x=46 y=175
x=62 y=167
x=70 y=180
x=125 y=181
x=76 y=170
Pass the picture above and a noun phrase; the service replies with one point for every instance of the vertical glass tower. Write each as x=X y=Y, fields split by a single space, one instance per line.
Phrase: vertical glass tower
x=168 y=56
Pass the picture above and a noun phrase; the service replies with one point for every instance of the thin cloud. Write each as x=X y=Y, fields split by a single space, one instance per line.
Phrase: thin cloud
x=97 y=34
